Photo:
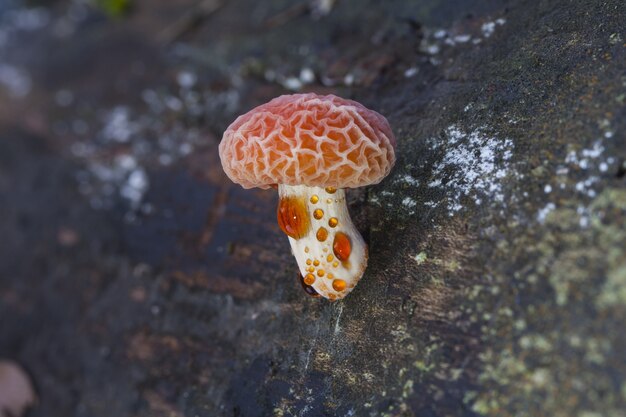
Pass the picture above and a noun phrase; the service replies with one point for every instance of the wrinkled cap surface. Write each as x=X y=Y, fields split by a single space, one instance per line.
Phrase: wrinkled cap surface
x=307 y=139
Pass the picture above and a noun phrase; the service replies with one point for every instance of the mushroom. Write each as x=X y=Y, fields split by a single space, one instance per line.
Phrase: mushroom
x=312 y=147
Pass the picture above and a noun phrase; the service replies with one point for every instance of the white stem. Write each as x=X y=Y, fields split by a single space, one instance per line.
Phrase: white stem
x=322 y=259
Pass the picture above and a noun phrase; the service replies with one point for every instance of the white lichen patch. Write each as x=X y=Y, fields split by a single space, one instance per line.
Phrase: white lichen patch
x=119 y=149
x=186 y=79
x=292 y=82
x=593 y=164
x=103 y=181
x=118 y=127
x=411 y=72
x=543 y=213
x=435 y=41
x=408 y=202
x=408 y=180
x=488 y=28
x=473 y=166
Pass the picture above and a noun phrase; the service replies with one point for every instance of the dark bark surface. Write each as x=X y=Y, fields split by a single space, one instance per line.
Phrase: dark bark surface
x=137 y=280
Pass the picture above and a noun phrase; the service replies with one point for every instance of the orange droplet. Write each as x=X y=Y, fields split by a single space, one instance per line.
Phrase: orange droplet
x=339 y=285
x=308 y=262
x=310 y=269
x=333 y=222
x=330 y=276
x=306 y=249
x=341 y=246
x=332 y=297
x=320 y=272
x=322 y=234
x=314 y=199
x=309 y=279
x=293 y=217
x=335 y=264
x=318 y=213
x=316 y=262
x=307 y=288
x=331 y=190
x=329 y=258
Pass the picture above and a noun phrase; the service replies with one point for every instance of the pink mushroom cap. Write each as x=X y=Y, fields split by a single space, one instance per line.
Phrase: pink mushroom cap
x=308 y=139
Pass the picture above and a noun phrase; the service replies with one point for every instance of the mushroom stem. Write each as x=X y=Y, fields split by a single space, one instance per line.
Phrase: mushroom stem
x=330 y=252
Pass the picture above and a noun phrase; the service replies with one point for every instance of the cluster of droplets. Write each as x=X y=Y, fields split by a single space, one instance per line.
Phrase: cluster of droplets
x=341 y=249
x=294 y=220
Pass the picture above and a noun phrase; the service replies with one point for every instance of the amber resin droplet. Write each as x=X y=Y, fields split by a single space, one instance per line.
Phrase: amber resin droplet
x=339 y=285
x=307 y=288
x=322 y=234
x=293 y=216
x=341 y=246
x=331 y=190
x=330 y=253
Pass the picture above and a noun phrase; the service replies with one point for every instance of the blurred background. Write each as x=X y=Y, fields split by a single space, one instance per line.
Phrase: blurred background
x=137 y=280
